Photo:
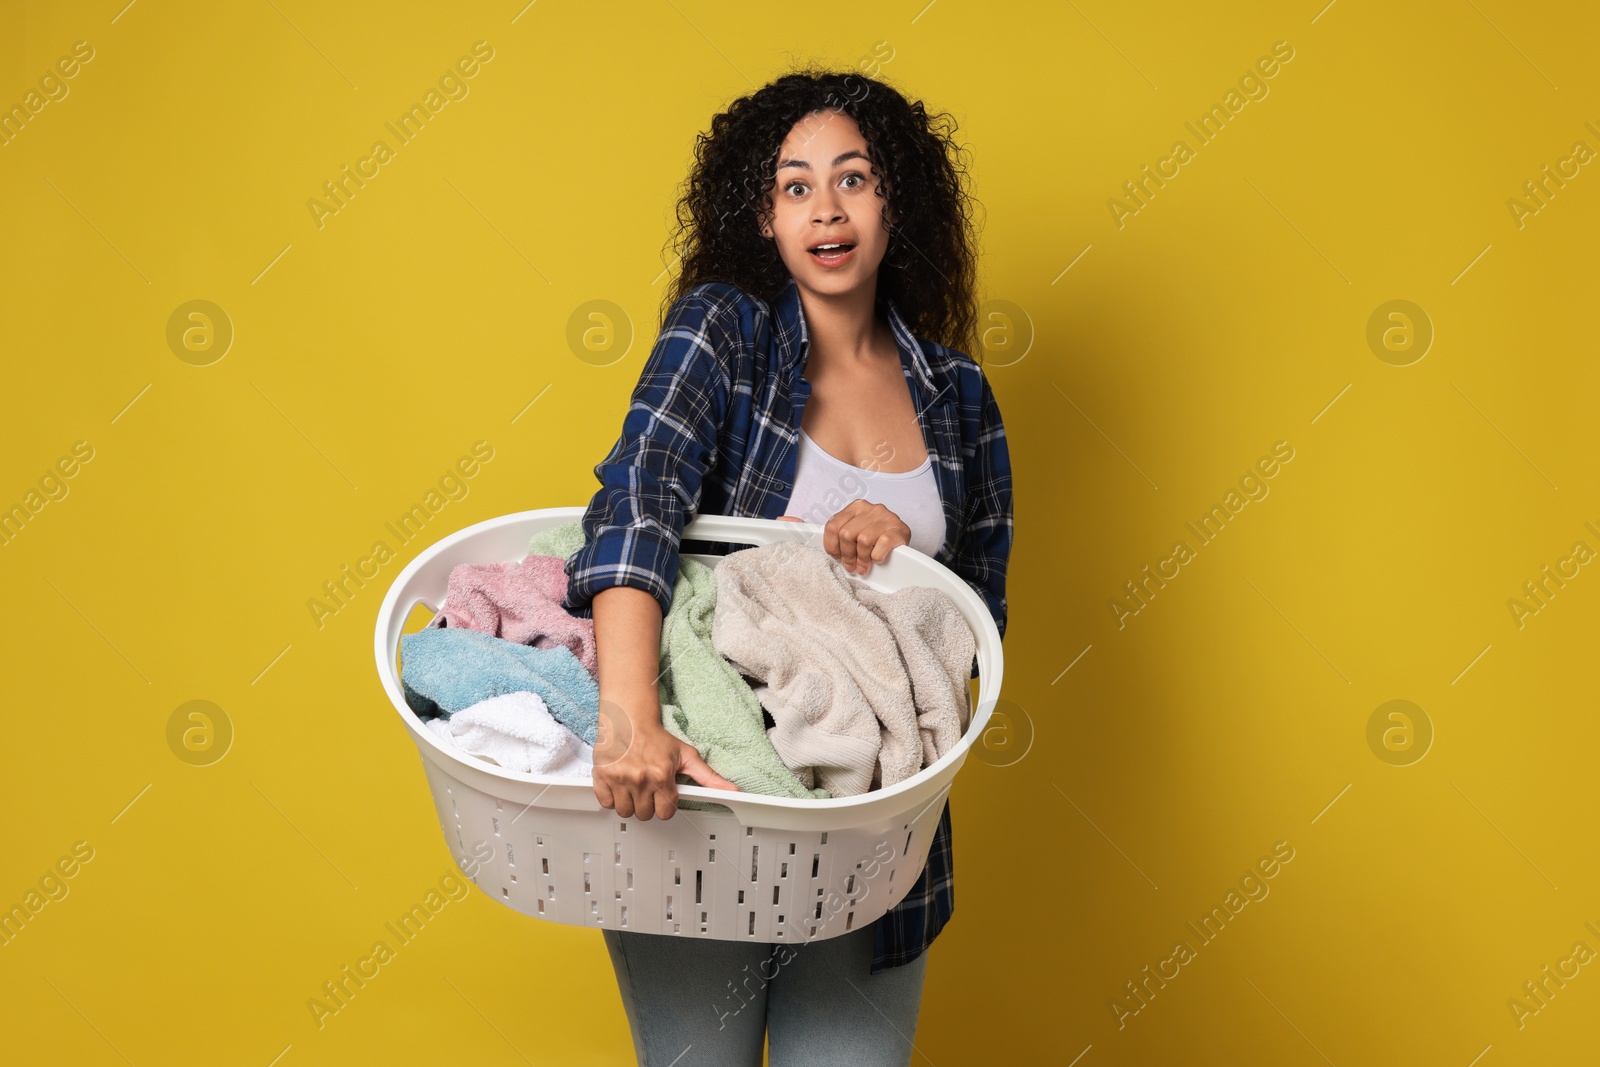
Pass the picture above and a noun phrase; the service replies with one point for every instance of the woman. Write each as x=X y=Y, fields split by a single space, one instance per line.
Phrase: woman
x=810 y=366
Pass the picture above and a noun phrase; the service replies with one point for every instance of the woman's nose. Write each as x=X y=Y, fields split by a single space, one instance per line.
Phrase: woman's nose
x=828 y=209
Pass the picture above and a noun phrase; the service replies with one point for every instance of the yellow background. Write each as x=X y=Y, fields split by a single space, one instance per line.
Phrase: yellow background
x=1228 y=314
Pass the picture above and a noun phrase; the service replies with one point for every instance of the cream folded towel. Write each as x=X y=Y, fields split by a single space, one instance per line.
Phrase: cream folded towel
x=866 y=688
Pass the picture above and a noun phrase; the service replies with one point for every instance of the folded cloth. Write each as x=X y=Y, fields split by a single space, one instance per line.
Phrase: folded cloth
x=519 y=600
x=864 y=687
x=443 y=671
x=705 y=702
x=517 y=731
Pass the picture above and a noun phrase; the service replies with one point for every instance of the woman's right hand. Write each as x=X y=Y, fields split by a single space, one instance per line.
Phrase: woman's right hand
x=636 y=766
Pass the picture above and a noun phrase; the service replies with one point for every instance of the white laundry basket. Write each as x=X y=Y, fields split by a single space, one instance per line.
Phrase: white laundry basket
x=771 y=869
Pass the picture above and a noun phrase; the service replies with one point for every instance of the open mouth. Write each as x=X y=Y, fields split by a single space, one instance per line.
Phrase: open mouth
x=831 y=253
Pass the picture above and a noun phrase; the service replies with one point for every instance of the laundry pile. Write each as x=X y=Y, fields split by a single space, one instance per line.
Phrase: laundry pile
x=787 y=676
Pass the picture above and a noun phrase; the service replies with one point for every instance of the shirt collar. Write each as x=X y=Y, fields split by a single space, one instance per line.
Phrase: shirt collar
x=794 y=339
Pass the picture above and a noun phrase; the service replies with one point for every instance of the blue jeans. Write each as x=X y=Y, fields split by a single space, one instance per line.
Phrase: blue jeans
x=697 y=1002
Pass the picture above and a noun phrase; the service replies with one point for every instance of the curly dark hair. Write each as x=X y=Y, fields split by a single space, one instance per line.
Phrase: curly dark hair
x=930 y=265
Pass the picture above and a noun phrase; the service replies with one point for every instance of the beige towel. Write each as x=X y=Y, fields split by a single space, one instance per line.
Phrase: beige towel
x=865 y=688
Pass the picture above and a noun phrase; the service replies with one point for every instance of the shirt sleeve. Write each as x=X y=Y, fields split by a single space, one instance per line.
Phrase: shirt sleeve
x=984 y=550
x=650 y=481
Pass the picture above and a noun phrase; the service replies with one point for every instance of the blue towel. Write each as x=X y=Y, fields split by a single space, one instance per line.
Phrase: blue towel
x=444 y=671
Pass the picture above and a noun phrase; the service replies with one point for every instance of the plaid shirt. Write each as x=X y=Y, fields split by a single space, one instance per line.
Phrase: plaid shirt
x=713 y=428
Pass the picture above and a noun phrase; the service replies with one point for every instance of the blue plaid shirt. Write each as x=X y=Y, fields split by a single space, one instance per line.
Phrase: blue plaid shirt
x=713 y=428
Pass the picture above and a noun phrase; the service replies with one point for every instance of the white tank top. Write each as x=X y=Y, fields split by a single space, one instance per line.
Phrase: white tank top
x=823 y=485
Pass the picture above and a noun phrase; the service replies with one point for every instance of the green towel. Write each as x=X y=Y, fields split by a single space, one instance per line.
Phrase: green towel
x=561 y=540
x=704 y=699
x=706 y=702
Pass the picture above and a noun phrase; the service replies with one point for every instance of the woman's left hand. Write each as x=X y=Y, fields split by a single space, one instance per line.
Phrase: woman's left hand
x=861 y=534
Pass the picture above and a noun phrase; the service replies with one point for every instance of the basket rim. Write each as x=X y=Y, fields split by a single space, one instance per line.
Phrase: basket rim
x=703 y=527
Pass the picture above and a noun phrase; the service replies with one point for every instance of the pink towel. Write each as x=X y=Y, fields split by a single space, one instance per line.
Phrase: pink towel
x=519 y=600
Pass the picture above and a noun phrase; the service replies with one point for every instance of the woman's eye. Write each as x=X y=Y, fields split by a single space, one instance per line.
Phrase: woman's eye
x=792 y=186
x=857 y=177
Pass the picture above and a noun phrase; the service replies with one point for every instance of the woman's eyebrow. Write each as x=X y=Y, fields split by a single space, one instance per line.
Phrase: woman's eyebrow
x=803 y=165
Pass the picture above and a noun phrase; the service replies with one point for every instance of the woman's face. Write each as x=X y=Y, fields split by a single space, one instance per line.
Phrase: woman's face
x=825 y=193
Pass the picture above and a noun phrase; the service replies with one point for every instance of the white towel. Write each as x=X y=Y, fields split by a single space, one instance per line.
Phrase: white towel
x=517 y=732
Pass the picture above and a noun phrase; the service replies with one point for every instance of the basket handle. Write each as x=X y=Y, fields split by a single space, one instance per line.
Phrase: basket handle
x=406 y=614
x=748 y=531
x=791 y=813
